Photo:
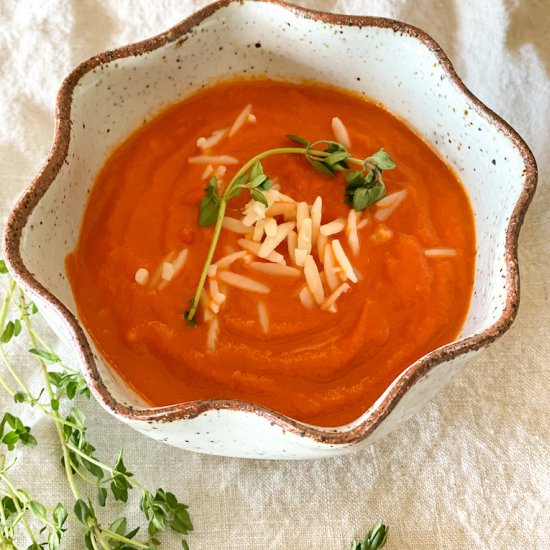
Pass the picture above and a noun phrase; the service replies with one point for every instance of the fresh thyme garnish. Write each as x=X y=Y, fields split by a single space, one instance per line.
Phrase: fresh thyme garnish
x=212 y=209
x=364 y=187
x=255 y=181
x=84 y=470
x=18 y=433
x=376 y=538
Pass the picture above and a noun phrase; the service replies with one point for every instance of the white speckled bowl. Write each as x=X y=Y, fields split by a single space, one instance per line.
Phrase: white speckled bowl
x=108 y=96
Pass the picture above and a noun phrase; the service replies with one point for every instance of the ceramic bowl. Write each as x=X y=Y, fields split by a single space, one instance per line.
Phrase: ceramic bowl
x=108 y=96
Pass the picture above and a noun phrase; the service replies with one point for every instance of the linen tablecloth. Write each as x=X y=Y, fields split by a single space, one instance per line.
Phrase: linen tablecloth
x=472 y=468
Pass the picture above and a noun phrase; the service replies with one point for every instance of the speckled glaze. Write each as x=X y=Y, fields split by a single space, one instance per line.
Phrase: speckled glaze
x=108 y=96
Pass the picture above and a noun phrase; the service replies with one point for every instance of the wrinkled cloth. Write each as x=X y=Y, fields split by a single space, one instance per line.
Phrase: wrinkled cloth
x=471 y=469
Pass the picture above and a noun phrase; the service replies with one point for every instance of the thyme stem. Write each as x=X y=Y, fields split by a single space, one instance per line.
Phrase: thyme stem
x=115 y=536
x=15 y=499
x=221 y=213
x=112 y=471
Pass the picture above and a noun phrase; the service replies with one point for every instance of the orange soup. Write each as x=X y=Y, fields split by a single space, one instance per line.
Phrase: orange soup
x=348 y=299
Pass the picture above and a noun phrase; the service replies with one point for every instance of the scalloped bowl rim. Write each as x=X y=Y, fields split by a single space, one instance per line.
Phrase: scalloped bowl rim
x=374 y=415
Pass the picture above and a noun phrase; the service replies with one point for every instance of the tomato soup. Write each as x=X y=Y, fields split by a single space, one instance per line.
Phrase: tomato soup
x=278 y=336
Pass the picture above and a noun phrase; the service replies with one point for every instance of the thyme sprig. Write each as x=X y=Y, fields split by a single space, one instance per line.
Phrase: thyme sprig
x=15 y=507
x=376 y=538
x=84 y=470
x=364 y=187
x=18 y=432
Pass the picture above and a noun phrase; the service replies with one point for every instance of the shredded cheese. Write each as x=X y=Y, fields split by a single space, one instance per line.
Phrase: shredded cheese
x=331 y=300
x=213 y=287
x=213 y=139
x=180 y=260
x=340 y=132
x=156 y=278
x=386 y=206
x=234 y=225
x=213 y=159
x=292 y=240
x=300 y=256
x=142 y=276
x=440 y=252
x=306 y=298
x=263 y=317
x=226 y=261
x=207 y=313
x=275 y=269
x=343 y=260
x=220 y=298
x=270 y=227
x=208 y=171
x=331 y=275
x=333 y=227
x=253 y=211
x=240 y=120
x=258 y=233
x=270 y=243
x=212 y=336
x=313 y=279
x=280 y=208
x=304 y=235
x=363 y=223
x=316 y=213
x=247 y=258
x=302 y=213
x=244 y=283
x=286 y=198
x=220 y=171
x=290 y=214
x=351 y=232
x=254 y=247
x=272 y=195
x=167 y=271
x=322 y=241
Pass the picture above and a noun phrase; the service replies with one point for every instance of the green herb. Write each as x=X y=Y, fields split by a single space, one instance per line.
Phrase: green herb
x=18 y=432
x=212 y=210
x=364 y=187
x=15 y=507
x=48 y=356
x=84 y=470
x=376 y=538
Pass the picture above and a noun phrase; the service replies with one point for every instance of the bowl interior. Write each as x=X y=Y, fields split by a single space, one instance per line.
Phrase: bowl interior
x=265 y=39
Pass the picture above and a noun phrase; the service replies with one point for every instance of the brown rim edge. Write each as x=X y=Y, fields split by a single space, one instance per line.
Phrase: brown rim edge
x=330 y=436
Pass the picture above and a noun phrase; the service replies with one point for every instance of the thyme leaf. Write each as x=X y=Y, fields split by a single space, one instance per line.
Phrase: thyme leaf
x=382 y=160
x=376 y=538
x=19 y=433
x=210 y=204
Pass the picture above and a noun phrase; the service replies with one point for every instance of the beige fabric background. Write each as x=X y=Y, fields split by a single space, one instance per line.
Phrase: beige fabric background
x=472 y=468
